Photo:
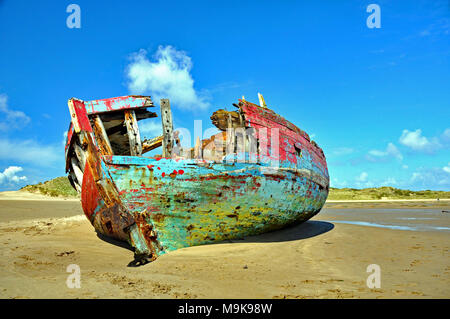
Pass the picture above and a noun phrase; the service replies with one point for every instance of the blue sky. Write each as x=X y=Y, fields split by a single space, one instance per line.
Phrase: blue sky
x=376 y=100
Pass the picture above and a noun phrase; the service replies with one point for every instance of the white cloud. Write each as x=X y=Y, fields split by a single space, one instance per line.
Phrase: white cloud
x=361 y=181
x=390 y=181
x=362 y=177
x=335 y=182
x=167 y=76
x=431 y=178
x=11 y=118
x=9 y=175
x=340 y=151
x=417 y=142
x=380 y=156
x=447 y=168
x=446 y=137
x=150 y=128
x=31 y=152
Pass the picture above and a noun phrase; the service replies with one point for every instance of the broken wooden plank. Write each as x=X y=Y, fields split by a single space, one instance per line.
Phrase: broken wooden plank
x=77 y=171
x=134 y=136
x=101 y=136
x=118 y=103
x=220 y=119
x=262 y=103
x=81 y=156
x=73 y=182
x=118 y=115
x=151 y=144
x=167 y=125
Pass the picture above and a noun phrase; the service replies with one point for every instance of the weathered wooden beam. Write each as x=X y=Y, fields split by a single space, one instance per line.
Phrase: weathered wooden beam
x=79 y=116
x=244 y=137
x=252 y=146
x=118 y=103
x=231 y=139
x=101 y=136
x=81 y=156
x=77 y=171
x=198 y=149
x=118 y=128
x=262 y=103
x=74 y=182
x=167 y=125
x=220 y=119
x=151 y=144
x=177 y=149
x=134 y=137
x=118 y=115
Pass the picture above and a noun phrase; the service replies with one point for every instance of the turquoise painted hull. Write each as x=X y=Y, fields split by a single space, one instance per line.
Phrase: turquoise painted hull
x=162 y=204
x=190 y=205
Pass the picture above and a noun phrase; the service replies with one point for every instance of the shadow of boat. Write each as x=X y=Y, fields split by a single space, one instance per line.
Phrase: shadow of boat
x=305 y=230
x=115 y=242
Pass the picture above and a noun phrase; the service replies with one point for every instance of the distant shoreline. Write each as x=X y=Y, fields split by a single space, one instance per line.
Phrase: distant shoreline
x=386 y=200
x=26 y=195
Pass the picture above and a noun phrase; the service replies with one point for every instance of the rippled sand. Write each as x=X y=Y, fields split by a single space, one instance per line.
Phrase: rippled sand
x=322 y=258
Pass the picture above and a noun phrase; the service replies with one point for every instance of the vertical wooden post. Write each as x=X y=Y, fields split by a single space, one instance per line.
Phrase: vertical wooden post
x=262 y=103
x=167 y=125
x=244 y=138
x=134 y=137
x=102 y=137
x=231 y=139
x=198 y=149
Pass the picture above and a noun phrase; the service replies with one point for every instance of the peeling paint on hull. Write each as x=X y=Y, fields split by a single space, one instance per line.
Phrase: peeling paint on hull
x=190 y=205
x=162 y=204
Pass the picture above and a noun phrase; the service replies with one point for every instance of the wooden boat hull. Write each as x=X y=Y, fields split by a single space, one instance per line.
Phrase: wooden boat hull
x=159 y=204
x=188 y=204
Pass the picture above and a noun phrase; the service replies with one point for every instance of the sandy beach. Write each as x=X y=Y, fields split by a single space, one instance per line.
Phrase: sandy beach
x=326 y=257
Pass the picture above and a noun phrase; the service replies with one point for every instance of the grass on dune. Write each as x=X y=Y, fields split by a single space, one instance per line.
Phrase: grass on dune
x=56 y=187
x=383 y=193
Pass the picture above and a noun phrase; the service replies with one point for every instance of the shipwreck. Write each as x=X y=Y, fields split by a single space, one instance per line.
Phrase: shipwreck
x=259 y=173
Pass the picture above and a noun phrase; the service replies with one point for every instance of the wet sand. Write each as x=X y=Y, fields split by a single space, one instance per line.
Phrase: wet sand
x=322 y=258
